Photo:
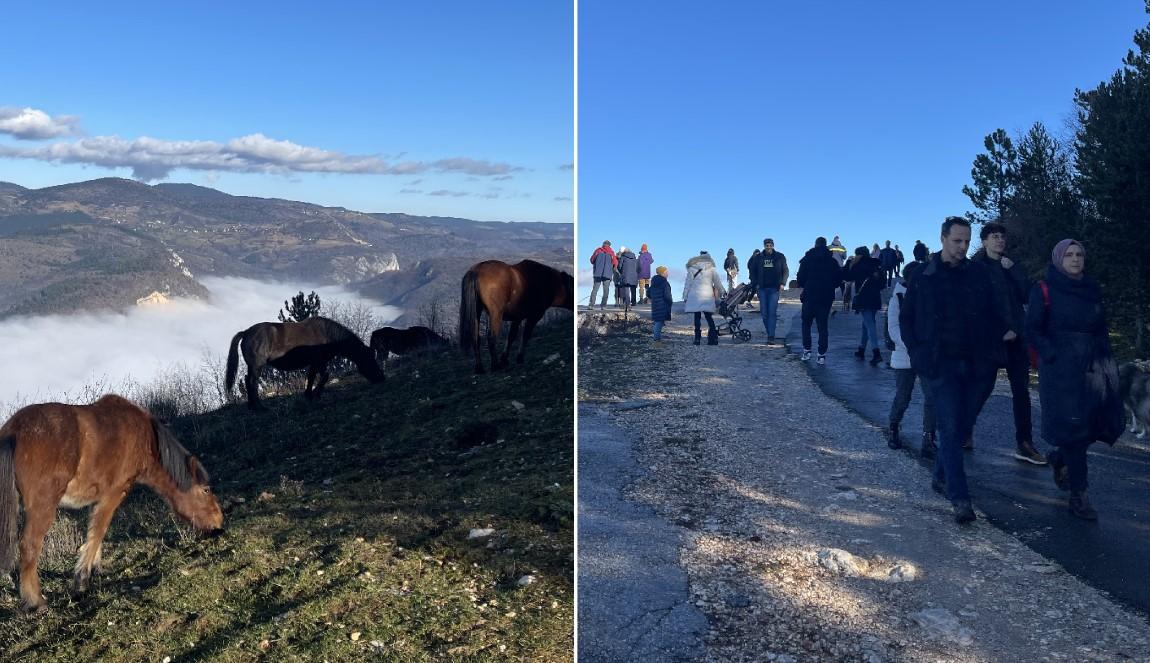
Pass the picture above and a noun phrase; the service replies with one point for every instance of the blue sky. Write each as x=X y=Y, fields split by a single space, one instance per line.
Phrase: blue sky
x=448 y=108
x=714 y=125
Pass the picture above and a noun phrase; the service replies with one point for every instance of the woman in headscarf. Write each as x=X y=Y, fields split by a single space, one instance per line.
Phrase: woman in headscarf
x=700 y=290
x=1078 y=378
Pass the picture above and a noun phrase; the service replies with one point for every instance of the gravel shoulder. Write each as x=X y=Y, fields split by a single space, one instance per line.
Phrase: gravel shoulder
x=803 y=538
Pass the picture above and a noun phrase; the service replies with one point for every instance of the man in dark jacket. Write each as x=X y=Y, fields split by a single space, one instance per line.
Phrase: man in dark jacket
x=1010 y=279
x=603 y=262
x=769 y=274
x=731 y=267
x=899 y=260
x=954 y=334
x=819 y=277
x=888 y=259
x=628 y=273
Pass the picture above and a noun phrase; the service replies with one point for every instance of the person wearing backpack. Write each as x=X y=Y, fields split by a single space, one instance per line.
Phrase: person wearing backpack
x=1010 y=279
x=1077 y=374
x=603 y=262
x=866 y=274
x=905 y=377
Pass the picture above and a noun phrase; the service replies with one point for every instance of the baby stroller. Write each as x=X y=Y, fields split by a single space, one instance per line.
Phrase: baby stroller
x=729 y=309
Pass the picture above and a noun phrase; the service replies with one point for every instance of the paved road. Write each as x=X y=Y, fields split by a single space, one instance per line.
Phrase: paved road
x=1112 y=554
x=633 y=598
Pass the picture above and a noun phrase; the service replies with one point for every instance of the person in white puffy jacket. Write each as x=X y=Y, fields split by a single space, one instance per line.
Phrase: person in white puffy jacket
x=905 y=375
x=700 y=290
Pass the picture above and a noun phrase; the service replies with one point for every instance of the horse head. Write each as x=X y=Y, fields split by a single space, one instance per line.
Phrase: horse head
x=190 y=494
x=566 y=296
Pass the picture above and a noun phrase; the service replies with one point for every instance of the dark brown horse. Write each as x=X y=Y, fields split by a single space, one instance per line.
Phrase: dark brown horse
x=518 y=293
x=292 y=346
x=401 y=341
x=55 y=455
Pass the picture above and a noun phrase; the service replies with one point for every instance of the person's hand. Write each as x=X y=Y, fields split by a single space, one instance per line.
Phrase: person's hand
x=1007 y=263
x=1009 y=336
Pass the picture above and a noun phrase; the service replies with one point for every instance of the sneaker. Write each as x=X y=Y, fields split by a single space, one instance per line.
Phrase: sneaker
x=822 y=360
x=1080 y=506
x=938 y=486
x=1026 y=452
x=861 y=353
x=963 y=512
x=806 y=356
x=877 y=358
x=892 y=439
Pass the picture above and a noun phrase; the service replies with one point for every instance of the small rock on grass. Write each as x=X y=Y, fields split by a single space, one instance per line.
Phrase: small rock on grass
x=525 y=580
x=480 y=533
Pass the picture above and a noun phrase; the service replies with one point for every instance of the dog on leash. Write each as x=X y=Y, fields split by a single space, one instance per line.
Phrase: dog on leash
x=1134 y=388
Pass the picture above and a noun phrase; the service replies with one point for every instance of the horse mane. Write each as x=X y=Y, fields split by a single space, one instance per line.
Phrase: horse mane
x=174 y=458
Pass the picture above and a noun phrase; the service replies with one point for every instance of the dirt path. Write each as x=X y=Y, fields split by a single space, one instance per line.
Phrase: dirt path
x=805 y=539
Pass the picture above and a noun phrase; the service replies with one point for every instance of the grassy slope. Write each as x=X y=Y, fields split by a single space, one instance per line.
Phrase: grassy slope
x=350 y=516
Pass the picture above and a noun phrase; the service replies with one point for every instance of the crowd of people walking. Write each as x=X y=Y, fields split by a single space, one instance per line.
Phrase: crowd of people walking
x=952 y=322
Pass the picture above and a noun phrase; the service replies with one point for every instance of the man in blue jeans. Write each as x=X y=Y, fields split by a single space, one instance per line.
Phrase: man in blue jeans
x=955 y=335
x=769 y=275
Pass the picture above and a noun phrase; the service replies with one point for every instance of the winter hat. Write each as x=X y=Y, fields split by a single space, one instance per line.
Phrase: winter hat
x=1060 y=250
x=661 y=270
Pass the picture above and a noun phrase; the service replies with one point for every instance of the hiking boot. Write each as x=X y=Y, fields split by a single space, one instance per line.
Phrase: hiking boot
x=968 y=443
x=963 y=512
x=929 y=446
x=1026 y=452
x=822 y=360
x=806 y=356
x=876 y=358
x=861 y=353
x=938 y=486
x=1080 y=506
x=1061 y=473
x=892 y=440
x=771 y=342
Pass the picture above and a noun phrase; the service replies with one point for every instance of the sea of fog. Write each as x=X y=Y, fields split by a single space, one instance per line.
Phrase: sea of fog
x=70 y=358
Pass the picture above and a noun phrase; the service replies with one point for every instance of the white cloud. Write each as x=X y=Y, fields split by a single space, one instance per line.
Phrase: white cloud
x=35 y=124
x=55 y=357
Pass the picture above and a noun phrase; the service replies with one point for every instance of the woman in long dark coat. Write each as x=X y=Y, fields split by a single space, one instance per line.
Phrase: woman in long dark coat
x=1078 y=378
x=661 y=299
x=864 y=272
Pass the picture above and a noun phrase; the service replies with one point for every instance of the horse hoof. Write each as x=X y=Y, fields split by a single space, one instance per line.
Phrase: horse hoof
x=34 y=608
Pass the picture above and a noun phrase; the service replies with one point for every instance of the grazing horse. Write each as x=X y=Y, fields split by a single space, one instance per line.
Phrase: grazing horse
x=518 y=293
x=55 y=455
x=401 y=341
x=291 y=346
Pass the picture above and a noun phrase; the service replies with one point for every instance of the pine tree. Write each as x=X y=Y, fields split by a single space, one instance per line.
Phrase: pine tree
x=301 y=307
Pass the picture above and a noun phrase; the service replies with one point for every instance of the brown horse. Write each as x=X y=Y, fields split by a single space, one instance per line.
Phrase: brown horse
x=401 y=341
x=55 y=455
x=518 y=293
x=291 y=346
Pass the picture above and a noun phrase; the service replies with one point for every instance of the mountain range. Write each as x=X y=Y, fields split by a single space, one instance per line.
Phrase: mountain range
x=110 y=243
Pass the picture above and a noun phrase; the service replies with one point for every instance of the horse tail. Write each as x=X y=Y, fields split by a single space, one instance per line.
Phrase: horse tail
x=469 y=312
x=9 y=503
x=233 y=363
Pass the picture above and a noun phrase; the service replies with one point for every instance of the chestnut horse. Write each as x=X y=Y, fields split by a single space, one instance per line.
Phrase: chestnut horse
x=400 y=341
x=55 y=455
x=518 y=293
x=291 y=346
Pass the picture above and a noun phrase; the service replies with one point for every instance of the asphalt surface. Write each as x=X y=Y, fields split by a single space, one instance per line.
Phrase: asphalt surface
x=1111 y=554
x=633 y=598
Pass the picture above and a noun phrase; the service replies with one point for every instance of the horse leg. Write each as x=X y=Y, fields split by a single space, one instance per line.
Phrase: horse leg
x=528 y=328
x=512 y=334
x=39 y=512
x=494 y=326
x=311 y=373
x=252 y=384
x=323 y=376
x=90 y=552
